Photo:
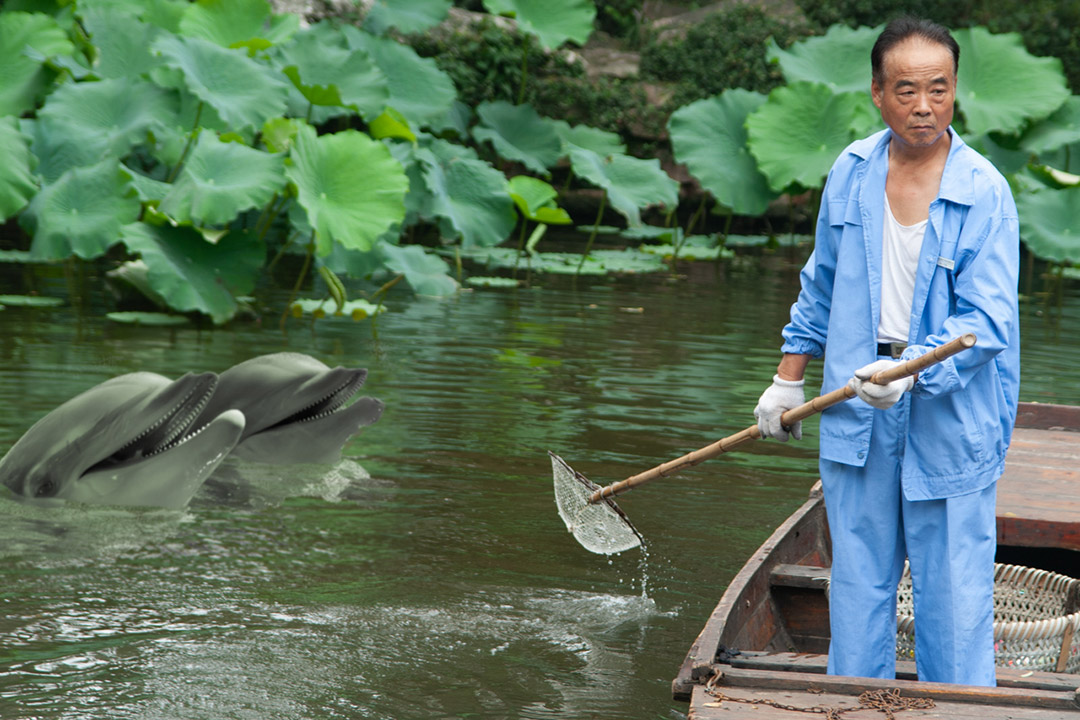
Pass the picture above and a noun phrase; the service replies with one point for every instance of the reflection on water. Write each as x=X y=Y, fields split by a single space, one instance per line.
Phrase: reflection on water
x=427 y=574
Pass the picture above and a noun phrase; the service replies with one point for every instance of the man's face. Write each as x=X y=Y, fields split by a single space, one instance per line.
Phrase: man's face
x=917 y=91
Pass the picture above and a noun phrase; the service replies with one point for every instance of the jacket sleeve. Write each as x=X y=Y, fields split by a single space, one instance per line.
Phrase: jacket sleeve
x=806 y=332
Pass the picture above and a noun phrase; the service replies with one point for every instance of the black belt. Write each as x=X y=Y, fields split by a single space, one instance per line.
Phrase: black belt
x=893 y=349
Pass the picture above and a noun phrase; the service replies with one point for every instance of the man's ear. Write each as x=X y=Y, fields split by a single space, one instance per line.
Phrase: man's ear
x=875 y=93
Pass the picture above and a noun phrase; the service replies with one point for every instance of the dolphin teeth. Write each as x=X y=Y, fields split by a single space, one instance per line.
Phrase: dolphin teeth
x=170 y=430
x=328 y=405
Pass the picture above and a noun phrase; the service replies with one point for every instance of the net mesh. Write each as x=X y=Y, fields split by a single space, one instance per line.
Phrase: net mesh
x=601 y=527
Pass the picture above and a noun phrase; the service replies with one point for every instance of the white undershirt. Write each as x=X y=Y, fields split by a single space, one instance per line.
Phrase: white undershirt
x=900 y=249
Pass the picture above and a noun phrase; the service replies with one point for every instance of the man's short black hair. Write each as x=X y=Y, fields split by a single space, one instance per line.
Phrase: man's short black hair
x=903 y=28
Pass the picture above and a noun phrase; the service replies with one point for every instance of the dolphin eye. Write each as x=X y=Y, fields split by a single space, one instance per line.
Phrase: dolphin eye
x=45 y=489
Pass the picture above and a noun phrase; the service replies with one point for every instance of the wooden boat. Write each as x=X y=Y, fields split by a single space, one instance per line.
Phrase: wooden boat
x=762 y=653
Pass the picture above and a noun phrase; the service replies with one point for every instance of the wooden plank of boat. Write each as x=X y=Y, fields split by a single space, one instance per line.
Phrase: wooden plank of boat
x=776 y=612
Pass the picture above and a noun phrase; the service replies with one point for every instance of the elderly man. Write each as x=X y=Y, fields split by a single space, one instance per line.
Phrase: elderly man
x=917 y=243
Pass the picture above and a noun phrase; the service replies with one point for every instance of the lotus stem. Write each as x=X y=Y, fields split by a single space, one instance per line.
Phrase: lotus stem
x=592 y=235
x=380 y=294
x=187 y=146
x=300 y=279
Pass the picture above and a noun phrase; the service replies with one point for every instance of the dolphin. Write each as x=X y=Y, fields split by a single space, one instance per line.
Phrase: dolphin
x=295 y=408
x=137 y=439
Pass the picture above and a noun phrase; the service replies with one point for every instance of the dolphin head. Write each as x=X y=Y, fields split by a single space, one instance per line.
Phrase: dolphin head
x=295 y=407
x=132 y=440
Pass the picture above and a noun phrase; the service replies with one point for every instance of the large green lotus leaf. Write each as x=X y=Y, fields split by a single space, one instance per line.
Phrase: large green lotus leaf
x=81 y=213
x=408 y=16
x=243 y=92
x=351 y=187
x=469 y=196
x=1050 y=223
x=709 y=137
x=1001 y=85
x=119 y=110
x=122 y=41
x=23 y=78
x=427 y=274
x=799 y=131
x=535 y=199
x=1060 y=129
x=328 y=73
x=149 y=190
x=221 y=180
x=553 y=22
x=631 y=183
x=225 y=22
x=58 y=148
x=519 y=133
x=17 y=183
x=599 y=141
x=839 y=59
x=191 y=274
x=419 y=90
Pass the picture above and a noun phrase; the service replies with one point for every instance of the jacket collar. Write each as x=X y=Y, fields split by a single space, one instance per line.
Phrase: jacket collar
x=956 y=181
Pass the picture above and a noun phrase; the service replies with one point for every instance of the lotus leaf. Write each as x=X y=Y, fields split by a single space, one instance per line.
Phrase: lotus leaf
x=801 y=129
x=190 y=274
x=121 y=39
x=426 y=274
x=485 y=281
x=243 y=92
x=278 y=134
x=232 y=23
x=327 y=73
x=553 y=22
x=150 y=319
x=1001 y=85
x=17 y=256
x=1050 y=223
x=709 y=137
x=468 y=195
x=419 y=90
x=519 y=133
x=535 y=199
x=24 y=78
x=17 y=185
x=391 y=124
x=1062 y=128
x=81 y=213
x=408 y=16
x=111 y=115
x=350 y=186
x=35 y=301
x=149 y=190
x=599 y=141
x=221 y=180
x=631 y=183
x=840 y=58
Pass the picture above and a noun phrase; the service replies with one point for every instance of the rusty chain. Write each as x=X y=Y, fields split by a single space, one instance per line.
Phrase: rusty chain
x=888 y=702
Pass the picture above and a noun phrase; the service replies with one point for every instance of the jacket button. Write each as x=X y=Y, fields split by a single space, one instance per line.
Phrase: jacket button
x=861 y=454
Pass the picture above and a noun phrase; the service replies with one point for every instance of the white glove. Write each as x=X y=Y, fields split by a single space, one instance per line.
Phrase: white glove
x=780 y=397
x=882 y=397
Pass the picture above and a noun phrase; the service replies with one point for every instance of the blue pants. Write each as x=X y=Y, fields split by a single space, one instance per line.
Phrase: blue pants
x=950 y=544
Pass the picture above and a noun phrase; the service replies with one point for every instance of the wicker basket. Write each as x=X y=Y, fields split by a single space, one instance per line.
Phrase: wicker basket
x=1036 y=619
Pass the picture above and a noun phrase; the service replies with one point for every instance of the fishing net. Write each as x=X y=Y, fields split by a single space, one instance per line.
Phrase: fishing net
x=600 y=527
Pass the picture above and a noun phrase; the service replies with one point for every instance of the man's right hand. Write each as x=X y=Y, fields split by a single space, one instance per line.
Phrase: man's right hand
x=780 y=397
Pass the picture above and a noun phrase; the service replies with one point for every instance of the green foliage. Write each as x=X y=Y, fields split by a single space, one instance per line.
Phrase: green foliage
x=1049 y=28
x=709 y=137
x=629 y=183
x=410 y=17
x=1048 y=223
x=553 y=22
x=1000 y=86
x=518 y=133
x=840 y=58
x=798 y=132
x=725 y=50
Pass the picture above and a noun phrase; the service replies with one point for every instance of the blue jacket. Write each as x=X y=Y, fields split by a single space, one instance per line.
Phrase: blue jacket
x=961 y=411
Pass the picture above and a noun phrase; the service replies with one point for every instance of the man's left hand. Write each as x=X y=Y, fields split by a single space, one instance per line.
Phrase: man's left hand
x=882 y=397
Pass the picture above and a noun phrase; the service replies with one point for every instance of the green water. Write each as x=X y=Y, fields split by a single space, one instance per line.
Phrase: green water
x=427 y=575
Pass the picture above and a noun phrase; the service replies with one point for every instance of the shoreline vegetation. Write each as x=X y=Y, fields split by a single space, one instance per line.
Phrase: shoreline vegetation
x=355 y=151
